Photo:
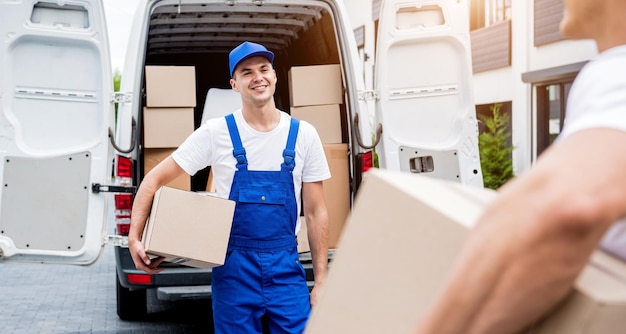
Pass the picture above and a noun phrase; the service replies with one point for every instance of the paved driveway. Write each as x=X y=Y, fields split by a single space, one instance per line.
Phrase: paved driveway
x=38 y=298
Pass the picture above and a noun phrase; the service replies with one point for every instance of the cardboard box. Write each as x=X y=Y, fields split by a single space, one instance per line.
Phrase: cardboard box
x=337 y=191
x=597 y=305
x=336 y=195
x=166 y=127
x=303 y=237
x=325 y=118
x=189 y=228
x=399 y=244
x=315 y=85
x=170 y=86
x=153 y=156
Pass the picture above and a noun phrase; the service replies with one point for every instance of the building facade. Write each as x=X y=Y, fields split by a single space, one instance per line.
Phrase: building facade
x=520 y=62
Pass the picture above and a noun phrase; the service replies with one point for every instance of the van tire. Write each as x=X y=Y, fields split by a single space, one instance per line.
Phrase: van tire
x=131 y=304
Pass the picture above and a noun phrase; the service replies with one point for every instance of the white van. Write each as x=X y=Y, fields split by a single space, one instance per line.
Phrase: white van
x=61 y=141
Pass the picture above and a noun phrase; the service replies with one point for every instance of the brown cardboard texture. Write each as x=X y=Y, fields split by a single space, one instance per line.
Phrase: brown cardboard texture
x=315 y=85
x=598 y=303
x=153 y=156
x=189 y=228
x=395 y=250
x=325 y=118
x=166 y=127
x=409 y=229
x=303 y=237
x=170 y=86
x=337 y=191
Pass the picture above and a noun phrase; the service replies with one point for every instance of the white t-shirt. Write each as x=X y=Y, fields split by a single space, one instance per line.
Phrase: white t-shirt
x=210 y=145
x=598 y=100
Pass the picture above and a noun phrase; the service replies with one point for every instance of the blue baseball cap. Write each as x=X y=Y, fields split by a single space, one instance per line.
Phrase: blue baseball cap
x=246 y=50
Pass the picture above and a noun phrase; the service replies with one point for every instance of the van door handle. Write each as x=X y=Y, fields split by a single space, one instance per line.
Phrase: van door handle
x=379 y=132
x=132 y=139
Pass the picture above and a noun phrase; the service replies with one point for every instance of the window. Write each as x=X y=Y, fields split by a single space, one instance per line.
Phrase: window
x=484 y=13
x=498 y=11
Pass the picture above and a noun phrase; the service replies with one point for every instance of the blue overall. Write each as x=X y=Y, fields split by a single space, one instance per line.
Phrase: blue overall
x=262 y=274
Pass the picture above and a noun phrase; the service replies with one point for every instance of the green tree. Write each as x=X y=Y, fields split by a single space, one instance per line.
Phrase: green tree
x=495 y=154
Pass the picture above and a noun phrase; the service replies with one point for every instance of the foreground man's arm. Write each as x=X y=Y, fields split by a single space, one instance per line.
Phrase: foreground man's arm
x=532 y=242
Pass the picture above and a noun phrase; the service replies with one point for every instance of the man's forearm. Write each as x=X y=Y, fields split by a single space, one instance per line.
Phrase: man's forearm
x=317 y=230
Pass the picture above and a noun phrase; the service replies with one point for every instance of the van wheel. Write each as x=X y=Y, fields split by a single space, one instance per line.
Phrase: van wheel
x=131 y=304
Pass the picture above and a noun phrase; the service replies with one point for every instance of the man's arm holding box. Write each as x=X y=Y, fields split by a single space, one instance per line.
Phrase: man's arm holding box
x=162 y=174
x=317 y=230
x=530 y=245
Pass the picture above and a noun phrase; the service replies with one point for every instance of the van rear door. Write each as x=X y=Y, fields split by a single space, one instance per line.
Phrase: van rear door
x=424 y=83
x=55 y=112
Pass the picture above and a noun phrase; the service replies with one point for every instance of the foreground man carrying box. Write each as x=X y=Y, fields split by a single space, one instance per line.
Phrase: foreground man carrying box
x=399 y=245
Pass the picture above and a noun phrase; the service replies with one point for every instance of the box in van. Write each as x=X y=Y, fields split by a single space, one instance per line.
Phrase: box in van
x=325 y=118
x=315 y=84
x=170 y=86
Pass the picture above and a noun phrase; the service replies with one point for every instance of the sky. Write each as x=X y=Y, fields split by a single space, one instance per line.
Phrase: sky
x=119 y=15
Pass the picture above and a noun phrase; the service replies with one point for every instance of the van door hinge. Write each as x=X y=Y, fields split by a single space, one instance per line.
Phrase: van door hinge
x=368 y=95
x=115 y=240
x=103 y=188
x=121 y=97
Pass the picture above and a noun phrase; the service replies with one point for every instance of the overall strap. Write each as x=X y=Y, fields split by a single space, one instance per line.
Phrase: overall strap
x=289 y=154
x=238 y=151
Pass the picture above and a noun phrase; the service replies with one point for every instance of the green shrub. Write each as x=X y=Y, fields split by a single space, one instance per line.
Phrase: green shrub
x=495 y=154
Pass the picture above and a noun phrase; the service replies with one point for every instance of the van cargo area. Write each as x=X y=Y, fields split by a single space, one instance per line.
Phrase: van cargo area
x=202 y=35
x=182 y=48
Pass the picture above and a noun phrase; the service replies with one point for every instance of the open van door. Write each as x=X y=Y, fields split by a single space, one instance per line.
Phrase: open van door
x=55 y=114
x=423 y=80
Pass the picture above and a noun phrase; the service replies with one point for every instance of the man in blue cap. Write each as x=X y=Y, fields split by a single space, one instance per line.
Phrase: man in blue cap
x=262 y=159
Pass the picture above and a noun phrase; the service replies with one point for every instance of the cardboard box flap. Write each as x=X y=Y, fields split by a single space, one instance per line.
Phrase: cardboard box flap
x=602 y=280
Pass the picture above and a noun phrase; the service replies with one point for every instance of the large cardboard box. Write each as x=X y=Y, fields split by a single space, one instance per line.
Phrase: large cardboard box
x=325 y=118
x=315 y=85
x=153 y=156
x=337 y=191
x=336 y=196
x=166 y=127
x=170 y=86
x=189 y=228
x=397 y=249
x=597 y=305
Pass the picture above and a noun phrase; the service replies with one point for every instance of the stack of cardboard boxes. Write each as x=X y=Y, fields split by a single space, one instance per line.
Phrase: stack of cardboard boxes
x=168 y=115
x=316 y=95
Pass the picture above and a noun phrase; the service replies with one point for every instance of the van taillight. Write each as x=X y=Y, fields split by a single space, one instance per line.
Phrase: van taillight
x=122 y=224
x=139 y=278
x=123 y=204
x=367 y=161
x=123 y=201
x=124 y=167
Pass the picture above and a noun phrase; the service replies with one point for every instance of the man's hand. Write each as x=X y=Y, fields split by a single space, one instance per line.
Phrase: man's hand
x=141 y=259
x=314 y=295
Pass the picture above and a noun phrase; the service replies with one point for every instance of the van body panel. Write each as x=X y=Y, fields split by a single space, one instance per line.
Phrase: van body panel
x=55 y=113
x=424 y=83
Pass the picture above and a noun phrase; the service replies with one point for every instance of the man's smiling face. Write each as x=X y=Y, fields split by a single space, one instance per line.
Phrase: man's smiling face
x=255 y=79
